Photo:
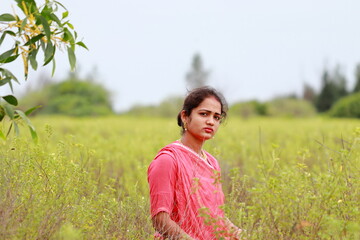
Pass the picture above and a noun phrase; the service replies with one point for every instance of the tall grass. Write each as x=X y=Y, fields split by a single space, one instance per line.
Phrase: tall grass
x=86 y=178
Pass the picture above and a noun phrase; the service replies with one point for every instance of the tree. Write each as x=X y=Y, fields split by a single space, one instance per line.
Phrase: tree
x=357 y=79
x=73 y=97
x=333 y=88
x=248 y=109
x=348 y=107
x=340 y=82
x=290 y=107
x=197 y=76
x=309 y=93
x=326 y=96
x=38 y=29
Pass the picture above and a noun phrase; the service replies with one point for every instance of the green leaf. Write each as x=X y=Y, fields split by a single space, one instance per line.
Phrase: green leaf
x=7 y=17
x=72 y=58
x=6 y=55
x=28 y=122
x=7 y=73
x=11 y=86
x=11 y=100
x=32 y=58
x=68 y=37
x=16 y=129
x=2 y=135
x=30 y=110
x=46 y=11
x=9 y=111
x=33 y=135
x=10 y=33
x=25 y=118
x=59 y=3
x=46 y=26
x=5 y=81
x=49 y=53
x=23 y=24
x=2 y=113
x=65 y=14
x=30 y=5
x=70 y=25
x=43 y=45
x=4 y=34
x=56 y=19
x=82 y=45
x=54 y=67
x=34 y=39
x=10 y=59
x=9 y=130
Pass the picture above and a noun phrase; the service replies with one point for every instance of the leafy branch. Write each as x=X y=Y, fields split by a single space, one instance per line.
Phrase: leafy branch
x=39 y=29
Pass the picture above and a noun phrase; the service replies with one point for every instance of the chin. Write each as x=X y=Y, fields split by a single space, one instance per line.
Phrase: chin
x=207 y=137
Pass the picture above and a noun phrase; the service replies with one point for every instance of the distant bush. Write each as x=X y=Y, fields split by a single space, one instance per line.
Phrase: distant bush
x=142 y=110
x=290 y=107
x=169 y=107
x=348 y=106
x=248 y=109
x=71 y=97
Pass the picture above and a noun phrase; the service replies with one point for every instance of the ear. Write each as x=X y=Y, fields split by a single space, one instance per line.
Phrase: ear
x=184 y=118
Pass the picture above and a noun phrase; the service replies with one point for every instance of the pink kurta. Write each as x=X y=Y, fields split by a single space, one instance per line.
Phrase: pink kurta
x=188 y=188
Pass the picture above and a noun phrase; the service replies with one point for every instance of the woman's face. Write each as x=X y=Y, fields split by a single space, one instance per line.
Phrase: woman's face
x=204 y=120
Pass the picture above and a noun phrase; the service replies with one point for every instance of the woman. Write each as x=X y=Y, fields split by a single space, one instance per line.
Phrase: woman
x=185 y=189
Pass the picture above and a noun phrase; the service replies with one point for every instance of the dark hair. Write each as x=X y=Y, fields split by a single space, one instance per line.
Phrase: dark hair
x=196 y=97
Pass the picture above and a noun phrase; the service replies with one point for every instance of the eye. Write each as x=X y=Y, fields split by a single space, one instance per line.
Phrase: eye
x=203 y=114
x=217 y=118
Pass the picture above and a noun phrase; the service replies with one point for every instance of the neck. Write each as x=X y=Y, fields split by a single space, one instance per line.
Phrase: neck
x=192 y=143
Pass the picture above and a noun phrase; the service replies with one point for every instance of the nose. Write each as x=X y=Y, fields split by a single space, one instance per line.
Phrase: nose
x=210 y=121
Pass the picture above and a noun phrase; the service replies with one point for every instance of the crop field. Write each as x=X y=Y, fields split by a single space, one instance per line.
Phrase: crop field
x=86 y=177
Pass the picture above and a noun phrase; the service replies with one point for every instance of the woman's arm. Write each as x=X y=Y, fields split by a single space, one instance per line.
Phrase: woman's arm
x=168 y=228
x=234 y=230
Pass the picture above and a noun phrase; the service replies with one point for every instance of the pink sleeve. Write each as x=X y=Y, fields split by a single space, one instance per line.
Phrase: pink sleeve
x=161 y=178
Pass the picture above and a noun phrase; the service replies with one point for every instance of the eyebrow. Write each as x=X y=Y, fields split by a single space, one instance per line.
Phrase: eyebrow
x=203 y=109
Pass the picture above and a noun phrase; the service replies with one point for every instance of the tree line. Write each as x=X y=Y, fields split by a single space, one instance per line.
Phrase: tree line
x=85 y=97
x=334 y=97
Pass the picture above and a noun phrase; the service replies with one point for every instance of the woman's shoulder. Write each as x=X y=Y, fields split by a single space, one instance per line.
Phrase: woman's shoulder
x=167 y=151
x=166 y=157
x=170 y=148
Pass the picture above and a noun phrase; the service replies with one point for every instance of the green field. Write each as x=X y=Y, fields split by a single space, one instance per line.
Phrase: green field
x=86 y=177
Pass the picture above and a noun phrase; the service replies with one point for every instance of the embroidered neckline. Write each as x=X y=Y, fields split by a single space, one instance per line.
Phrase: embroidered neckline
x=205 y=158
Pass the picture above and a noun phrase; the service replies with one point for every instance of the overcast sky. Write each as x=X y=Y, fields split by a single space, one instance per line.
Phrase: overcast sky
x=141 y=50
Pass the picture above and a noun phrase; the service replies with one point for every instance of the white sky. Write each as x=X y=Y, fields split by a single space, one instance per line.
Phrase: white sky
x=141 y=50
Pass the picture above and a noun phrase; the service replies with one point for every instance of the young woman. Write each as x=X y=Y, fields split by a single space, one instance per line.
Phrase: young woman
x=185 y=188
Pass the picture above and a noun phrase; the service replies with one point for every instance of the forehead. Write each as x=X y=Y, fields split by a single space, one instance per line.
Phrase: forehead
x=210 y=104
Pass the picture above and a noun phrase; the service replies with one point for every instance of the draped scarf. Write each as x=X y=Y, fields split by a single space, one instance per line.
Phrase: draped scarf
x=197 y=195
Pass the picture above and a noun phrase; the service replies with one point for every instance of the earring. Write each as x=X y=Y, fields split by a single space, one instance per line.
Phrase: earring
x=185 y=128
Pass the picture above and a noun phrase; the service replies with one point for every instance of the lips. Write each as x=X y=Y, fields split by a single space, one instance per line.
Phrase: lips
x=209 y=130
